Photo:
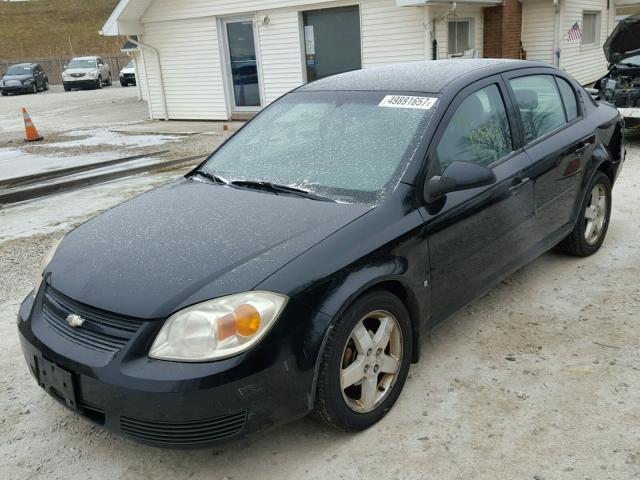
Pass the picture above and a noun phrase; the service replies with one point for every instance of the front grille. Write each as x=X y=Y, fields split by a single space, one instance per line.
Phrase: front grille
x=101 y=331
x=129 y=76
x=185 y=434
x=77 y=75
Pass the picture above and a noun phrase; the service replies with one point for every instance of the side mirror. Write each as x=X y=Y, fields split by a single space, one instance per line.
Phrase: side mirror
x=458 y=176
x=594 y=92
x=66 y=66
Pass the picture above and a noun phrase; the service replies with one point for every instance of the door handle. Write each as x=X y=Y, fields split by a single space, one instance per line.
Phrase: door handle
x=582 y=148
x=518 y=184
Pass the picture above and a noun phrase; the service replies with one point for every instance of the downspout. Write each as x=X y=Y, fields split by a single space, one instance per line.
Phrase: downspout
x=163 y=95
x=556 y=35
x=133 y=58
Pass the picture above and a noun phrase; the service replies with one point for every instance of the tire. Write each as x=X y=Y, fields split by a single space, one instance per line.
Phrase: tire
x=349 y=409
x=4 y=94
x=110 y=81
x=99 y=83
x=67 y=89
x=593 y=222
x=46 y=85
x=124 y=84
x=34 y=90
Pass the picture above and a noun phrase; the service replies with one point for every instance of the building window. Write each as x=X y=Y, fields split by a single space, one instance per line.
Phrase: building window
x=590 y=28
x=461 y=37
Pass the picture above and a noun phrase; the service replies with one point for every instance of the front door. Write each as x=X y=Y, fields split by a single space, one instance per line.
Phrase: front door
x=477 y=236
x=242 y=65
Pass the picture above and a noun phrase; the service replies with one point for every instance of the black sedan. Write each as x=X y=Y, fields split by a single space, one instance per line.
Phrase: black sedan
x=298 y=268
x=24 y=78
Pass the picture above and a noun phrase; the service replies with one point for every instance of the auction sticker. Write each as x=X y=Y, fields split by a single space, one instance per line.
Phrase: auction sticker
x=408 y=101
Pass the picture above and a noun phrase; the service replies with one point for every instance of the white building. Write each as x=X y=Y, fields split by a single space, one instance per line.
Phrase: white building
x=221 y=59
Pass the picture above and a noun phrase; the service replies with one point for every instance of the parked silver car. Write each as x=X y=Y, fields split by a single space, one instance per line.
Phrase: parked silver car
x=86 y=72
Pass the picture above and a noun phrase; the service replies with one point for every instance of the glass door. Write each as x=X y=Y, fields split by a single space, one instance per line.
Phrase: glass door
x=242 y=65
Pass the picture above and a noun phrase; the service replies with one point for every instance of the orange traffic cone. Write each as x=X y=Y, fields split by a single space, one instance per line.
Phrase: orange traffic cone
x=30 y=129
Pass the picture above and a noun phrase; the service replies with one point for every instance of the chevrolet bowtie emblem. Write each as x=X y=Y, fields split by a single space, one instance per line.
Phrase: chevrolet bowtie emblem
x=74 y=320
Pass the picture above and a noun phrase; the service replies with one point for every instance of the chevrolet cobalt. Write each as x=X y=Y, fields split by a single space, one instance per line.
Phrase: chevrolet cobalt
x=297 y=269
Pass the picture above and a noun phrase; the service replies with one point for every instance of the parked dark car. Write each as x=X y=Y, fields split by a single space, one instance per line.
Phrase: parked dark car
x=621 y=86
x=299 y=267
x=24 y=78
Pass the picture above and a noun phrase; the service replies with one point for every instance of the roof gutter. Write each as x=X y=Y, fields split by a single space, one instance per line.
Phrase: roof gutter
x=163 y=95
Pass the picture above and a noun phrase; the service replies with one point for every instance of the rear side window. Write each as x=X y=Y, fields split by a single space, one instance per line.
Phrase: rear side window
x=539 y=103
x=569 y=99
x=478 y=132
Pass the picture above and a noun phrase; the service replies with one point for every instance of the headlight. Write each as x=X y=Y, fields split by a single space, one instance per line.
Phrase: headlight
x=65 y=75
x=27 y=81
x=45 y=263
x=219 y=328
x=93 y=75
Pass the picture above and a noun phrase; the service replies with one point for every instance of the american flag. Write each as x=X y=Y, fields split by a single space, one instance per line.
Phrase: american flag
x=574 y=33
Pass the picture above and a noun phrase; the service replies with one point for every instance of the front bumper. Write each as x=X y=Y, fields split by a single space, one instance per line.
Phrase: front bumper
x=84 y=83
x=167 y=404
x=16 y=88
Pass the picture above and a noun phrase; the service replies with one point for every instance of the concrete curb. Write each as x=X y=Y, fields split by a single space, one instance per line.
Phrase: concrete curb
x=39 y=191
x=44 y=177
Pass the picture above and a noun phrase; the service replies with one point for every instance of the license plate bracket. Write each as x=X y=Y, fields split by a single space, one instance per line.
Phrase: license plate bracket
x=57 y=382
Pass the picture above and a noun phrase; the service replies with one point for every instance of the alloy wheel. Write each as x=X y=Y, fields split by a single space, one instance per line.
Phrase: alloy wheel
x=371 y=361
x=595 y=215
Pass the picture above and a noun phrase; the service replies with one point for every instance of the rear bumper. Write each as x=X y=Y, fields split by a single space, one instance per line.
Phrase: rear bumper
x=169 y=404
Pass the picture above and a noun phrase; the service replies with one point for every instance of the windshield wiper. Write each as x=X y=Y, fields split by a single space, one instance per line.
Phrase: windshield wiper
x=211 y=177
x=277 y=188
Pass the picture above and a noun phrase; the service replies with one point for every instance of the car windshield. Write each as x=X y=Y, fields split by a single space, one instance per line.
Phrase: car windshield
x=635 y=60
x=19 y=70
x=82 y=64
x=348 y=146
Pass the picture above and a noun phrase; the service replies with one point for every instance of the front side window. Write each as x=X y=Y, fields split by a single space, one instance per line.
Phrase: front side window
x=569 y=99
x=348 y=146
x=590 y=27
x=539 y=103
x=478 y=132
x=460 y=36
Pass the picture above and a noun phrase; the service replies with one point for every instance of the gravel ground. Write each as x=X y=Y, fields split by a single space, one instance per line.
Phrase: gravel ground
x=539 y=379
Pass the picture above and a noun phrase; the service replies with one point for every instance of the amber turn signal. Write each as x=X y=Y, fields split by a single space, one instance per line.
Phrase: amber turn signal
x=243 y=321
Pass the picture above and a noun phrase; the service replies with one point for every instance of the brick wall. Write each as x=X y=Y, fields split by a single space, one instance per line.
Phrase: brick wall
x=502 y=28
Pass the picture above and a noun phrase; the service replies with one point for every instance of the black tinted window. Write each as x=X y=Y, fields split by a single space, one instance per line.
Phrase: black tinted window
x=478 y=132
x=569 y=98
x=539 y=103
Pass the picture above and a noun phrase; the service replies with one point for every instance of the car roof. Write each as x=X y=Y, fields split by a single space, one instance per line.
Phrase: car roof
x=24 y=65
x=431 y=76
x=85 y=58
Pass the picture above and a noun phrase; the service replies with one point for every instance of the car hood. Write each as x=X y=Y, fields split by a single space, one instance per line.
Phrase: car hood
x=6 y=78
x=127 y=70
x=624 y=40
x=188 y=242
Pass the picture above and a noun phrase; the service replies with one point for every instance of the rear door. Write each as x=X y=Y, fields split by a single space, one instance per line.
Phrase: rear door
x=558 y=141
x=478 y=236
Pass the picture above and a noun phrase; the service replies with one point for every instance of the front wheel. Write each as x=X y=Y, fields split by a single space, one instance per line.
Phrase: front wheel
x=109 y=81
x=593 y=222
x=46 y=85
x=365 y=363
x=34 y=88
x=99 y=83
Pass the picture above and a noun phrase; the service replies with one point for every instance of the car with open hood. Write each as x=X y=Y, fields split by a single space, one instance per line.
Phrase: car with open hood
x=301 y=265
x=621 y=85
x=24 y=78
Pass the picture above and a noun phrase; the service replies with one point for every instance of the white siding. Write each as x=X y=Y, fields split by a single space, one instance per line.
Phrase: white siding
x=538 y=26
x=192 y=74
x=160 y=10
x=391 y=34
x=280 y=53
x=585 y=62
x=140 y=78
x=442 y=26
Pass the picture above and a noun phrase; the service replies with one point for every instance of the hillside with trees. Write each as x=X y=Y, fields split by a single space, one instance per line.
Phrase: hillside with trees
x=55 y=28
